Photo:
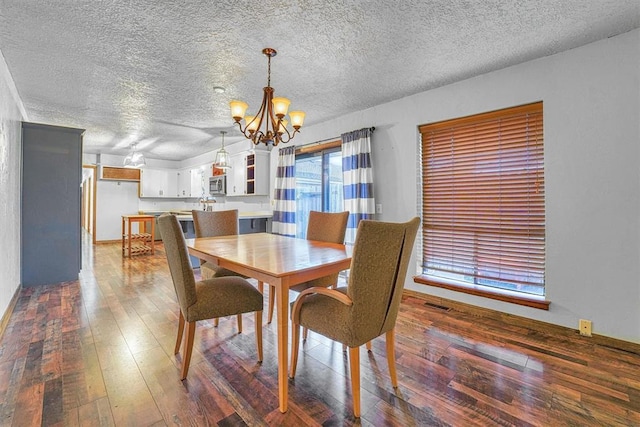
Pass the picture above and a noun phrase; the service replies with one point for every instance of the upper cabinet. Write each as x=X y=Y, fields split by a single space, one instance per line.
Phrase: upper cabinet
x=168 y=183
x=158 y=183
x=191 y=182
x=119 y=174
x=249 y=174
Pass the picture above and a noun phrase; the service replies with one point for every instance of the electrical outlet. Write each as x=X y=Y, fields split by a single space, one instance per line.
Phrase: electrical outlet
x=379 y=208
x=585 y=327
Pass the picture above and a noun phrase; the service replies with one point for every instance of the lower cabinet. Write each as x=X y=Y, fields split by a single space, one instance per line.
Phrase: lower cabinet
x=252 y=225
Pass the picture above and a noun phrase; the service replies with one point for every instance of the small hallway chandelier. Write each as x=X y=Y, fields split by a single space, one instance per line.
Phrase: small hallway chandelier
x=134 y=159
x=268 y=125
x=222 y=157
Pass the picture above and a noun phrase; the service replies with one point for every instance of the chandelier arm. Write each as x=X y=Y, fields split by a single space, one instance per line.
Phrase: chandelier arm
x=289 y=136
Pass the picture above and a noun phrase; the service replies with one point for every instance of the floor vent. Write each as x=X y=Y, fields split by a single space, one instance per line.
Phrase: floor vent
x=439 y=307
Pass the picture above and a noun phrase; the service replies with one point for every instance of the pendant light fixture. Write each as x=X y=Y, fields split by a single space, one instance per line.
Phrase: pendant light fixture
x=222 y=157
x=268 y=125
x=134 y=159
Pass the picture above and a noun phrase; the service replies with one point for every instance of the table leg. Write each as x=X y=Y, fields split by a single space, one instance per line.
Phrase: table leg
x=282 y=306
x=129 y=234
x=123 y=236
x=153 y=234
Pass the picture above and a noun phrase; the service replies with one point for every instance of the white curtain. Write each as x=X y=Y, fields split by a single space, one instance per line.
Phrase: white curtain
x=284 y=214
x=357 y=177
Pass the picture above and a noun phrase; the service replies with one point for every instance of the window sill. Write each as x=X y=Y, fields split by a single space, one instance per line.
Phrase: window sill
x=482 y=291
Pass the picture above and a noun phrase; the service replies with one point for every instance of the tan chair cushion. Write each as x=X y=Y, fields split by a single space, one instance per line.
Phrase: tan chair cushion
x=227 y=296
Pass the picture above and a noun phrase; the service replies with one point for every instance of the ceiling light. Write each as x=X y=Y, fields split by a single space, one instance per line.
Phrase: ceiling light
x=222 y=157
x=134 y=159
x=268 y=125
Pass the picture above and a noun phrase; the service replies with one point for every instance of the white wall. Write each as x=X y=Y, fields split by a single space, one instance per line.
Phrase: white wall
x=11 y=115
x=591 y=101
x=114 y=199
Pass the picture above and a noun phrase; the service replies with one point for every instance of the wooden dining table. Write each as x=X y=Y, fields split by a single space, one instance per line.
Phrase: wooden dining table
x=279 y=261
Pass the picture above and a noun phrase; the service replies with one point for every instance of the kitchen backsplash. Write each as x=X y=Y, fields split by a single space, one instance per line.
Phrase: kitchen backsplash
x=243 y=204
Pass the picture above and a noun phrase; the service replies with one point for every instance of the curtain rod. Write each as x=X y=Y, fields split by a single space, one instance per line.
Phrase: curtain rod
x=371 y=129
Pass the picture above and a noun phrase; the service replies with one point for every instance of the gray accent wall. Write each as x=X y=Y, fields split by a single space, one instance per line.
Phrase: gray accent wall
x=51 y=204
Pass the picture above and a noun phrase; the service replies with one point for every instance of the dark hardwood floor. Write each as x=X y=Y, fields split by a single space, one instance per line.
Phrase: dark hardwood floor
x=100 y=352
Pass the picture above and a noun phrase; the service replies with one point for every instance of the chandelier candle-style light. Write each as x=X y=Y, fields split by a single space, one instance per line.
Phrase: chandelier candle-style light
x=268 y=125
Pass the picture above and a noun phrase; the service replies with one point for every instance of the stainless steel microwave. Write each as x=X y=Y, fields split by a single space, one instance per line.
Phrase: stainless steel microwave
x=218 y=185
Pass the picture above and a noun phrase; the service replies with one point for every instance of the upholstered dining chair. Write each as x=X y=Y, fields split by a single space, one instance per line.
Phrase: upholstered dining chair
x=324 y=227
x=212 y=224
x=206 y=299
x=368 y=306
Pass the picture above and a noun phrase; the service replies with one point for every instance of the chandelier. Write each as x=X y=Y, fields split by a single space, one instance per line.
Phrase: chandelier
x=268 y=125
x=134 y=159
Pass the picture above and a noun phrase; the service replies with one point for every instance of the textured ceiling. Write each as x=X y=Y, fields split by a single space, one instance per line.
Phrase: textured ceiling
x=144 y=70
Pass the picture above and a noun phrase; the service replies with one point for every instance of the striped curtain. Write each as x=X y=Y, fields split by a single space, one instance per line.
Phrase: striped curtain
x=284 y=214
x=357 y=179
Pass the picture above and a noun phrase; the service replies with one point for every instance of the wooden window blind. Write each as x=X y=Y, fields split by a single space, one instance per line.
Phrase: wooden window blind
x=483 y=199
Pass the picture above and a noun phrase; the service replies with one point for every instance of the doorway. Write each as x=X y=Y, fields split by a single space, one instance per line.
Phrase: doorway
x=88 y=215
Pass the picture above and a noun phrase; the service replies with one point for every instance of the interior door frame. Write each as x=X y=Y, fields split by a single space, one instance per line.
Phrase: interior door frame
x=92 y=201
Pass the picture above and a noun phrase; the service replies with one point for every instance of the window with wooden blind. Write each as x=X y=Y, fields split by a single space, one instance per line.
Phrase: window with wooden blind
x=483 y=200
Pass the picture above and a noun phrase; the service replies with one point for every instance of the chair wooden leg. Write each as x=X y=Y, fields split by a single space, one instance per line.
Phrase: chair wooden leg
x=369 y=346
x=354 y=367
x=272 y=297
x=391 y=358
x=305 y=332
x=216 y=321
x=261 y=287
x=188 y=346
x=239 y=323
x=180 y=331
x=259 y=334
x=295 y=337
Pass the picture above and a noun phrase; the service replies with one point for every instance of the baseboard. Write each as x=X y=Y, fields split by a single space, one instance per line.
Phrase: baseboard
x=7 y=314
x=537 y=325
x=104 y=242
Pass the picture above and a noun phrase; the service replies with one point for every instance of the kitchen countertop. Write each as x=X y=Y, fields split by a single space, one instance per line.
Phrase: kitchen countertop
x=186 y=215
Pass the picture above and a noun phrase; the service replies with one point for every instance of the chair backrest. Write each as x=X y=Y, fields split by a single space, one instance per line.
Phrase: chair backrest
x=215 y=223
x=327 y=226
x=177 y=254
x=379 y=265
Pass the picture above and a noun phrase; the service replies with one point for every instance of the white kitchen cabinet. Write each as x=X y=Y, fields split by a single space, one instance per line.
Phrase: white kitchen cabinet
x=197 y=185
x=249 y=175
x=191 y=182
x=158 y=183
x=235 y=175
x=184 y=183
